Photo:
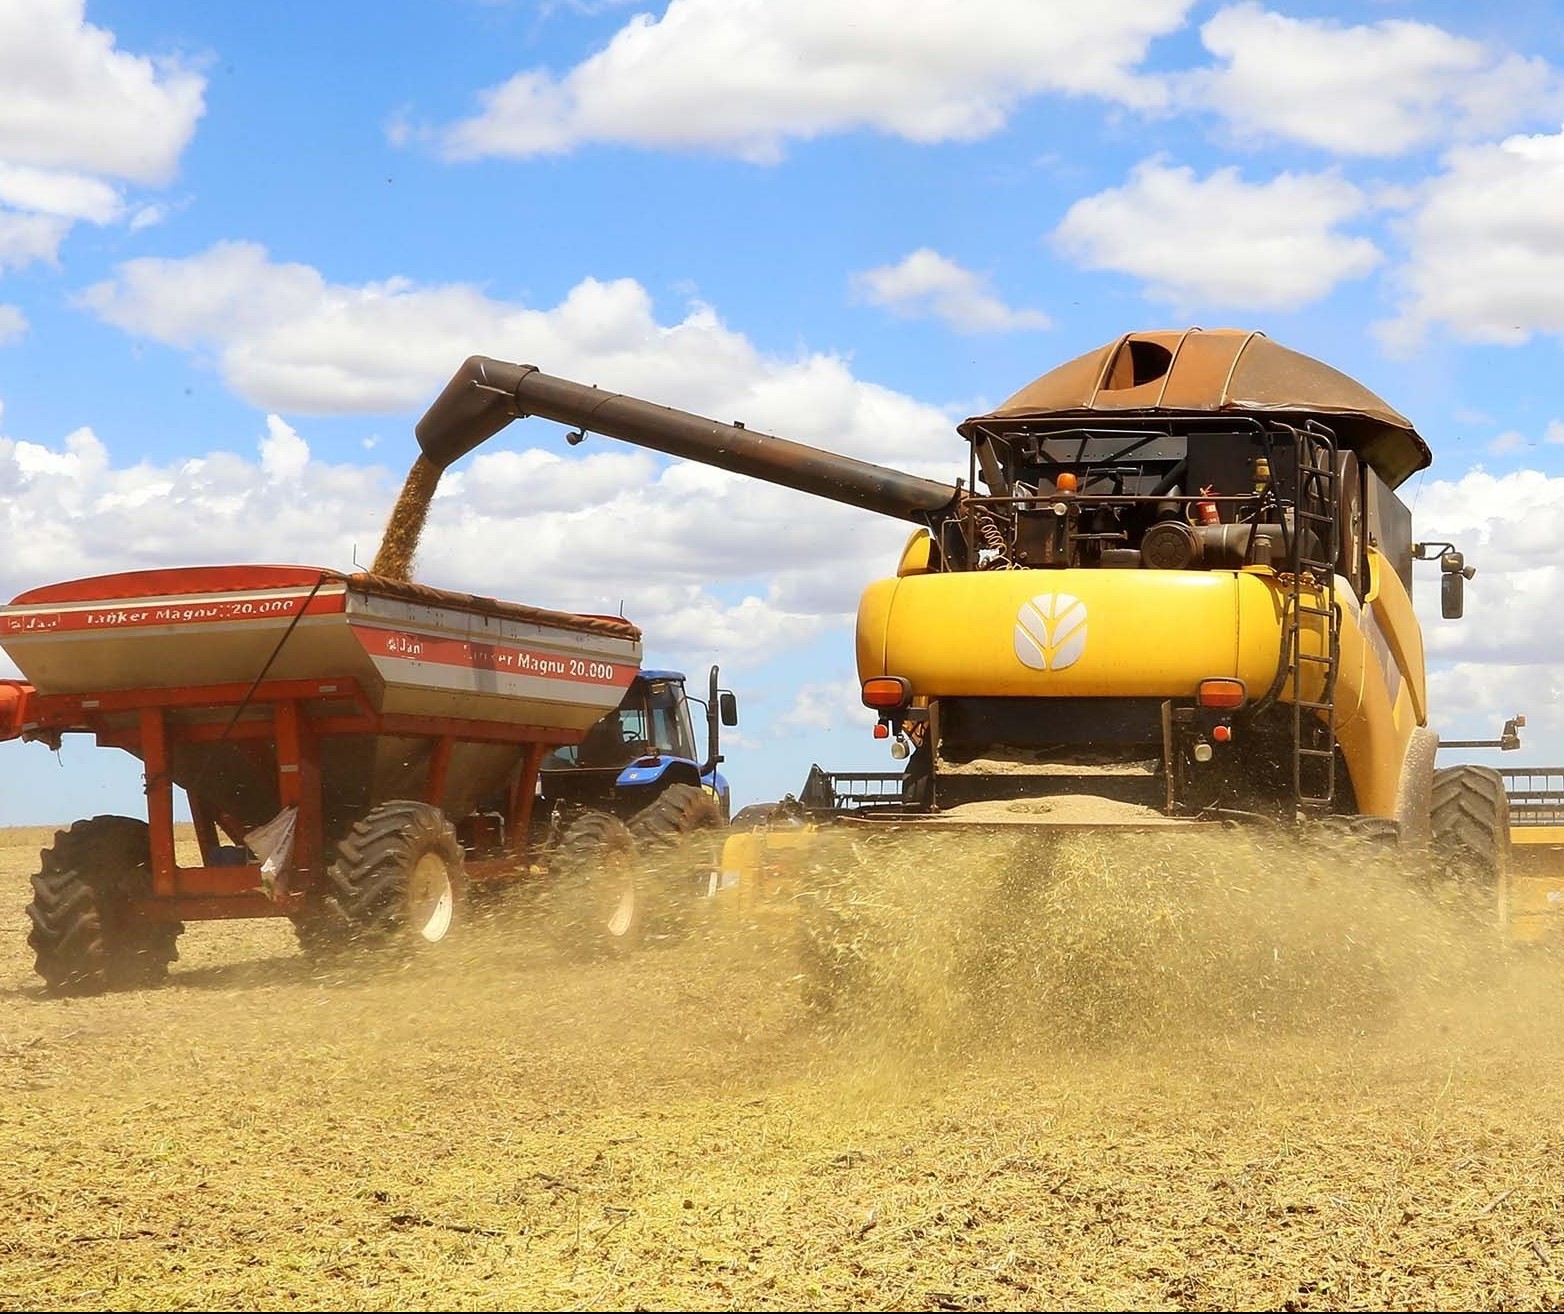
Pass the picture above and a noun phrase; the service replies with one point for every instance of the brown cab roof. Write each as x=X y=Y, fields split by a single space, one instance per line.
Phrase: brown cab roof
x=1217 y=371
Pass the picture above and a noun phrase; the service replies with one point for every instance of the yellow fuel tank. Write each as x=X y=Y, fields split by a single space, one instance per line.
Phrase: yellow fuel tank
x=1072 y=633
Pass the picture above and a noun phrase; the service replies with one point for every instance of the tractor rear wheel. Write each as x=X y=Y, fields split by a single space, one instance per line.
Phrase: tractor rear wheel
x=595 y=895
x=1470 y=825
x=398 y=877
x=680 y=833
x=83 y=933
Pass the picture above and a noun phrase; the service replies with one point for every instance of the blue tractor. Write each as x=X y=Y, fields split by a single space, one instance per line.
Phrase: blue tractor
x=636 y=815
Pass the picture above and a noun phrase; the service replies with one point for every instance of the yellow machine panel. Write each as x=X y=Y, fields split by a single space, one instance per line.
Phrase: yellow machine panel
x=1071 y=633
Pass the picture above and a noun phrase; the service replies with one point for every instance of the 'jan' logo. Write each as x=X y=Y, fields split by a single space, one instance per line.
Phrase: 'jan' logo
x=1051 y=631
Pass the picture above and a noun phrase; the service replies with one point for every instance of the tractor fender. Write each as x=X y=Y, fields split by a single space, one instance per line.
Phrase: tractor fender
x=654 y=773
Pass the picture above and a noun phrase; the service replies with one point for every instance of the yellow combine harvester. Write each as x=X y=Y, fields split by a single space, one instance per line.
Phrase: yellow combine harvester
x=1182 y=598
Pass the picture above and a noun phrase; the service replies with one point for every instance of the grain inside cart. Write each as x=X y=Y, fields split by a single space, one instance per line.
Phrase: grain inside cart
x=327 y=731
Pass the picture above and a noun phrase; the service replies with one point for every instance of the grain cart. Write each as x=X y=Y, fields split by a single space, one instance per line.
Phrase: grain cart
x=1182 y=599
x=354 y=750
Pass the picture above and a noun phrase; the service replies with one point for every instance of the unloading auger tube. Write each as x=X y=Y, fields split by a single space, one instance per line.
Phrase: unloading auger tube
x=485 y=395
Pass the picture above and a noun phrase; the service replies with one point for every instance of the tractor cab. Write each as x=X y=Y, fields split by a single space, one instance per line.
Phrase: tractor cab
x=636 y=751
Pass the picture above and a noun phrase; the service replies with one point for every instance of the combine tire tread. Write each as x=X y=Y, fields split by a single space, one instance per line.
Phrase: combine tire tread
x=368 y=886
x=1470 y=821
x=81 y=932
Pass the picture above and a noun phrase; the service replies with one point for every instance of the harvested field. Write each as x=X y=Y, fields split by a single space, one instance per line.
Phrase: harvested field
x=1378 y=1125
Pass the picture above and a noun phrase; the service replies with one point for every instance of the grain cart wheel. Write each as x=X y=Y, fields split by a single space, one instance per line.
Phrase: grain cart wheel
x=595 y=888
x=1470 y=824
x=82 y=932
x=398 y=877
x=680 y=835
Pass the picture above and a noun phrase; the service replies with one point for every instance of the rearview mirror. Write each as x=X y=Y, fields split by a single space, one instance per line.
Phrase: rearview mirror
x=1452 y=596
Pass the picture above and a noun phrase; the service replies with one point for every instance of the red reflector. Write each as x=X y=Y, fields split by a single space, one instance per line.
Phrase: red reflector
x=886 y=691
x=1222 y=693
x=1221 y=733
x=881 y=730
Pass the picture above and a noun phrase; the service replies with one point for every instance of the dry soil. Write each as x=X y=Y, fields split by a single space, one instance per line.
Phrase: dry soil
x=1250 y=1081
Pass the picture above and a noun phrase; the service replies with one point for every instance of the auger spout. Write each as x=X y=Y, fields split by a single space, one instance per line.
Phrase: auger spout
x=485 y=395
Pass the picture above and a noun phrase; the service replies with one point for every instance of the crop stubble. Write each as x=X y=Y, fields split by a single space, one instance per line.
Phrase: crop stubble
x=1130 y=1118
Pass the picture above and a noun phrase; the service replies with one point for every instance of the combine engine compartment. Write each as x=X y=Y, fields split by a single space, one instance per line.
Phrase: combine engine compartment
x=1276 y=499
x=1219 y=494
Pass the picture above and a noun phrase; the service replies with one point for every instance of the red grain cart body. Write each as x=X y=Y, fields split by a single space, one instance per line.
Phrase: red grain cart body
x=352 y=749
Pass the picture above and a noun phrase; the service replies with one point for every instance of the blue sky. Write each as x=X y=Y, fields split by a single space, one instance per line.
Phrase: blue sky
x=242 y=246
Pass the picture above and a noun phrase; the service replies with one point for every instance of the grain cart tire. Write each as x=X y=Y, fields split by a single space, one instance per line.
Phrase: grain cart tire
x=398 y=878
x=82 y=932
x=679 y=833
x=597 y=904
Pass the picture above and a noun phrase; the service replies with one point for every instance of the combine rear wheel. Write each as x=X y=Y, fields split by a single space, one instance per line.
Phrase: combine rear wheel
x=83 y=933
x=1470 y=823
x=398 y=877
x=595 y=892
x=680 y=832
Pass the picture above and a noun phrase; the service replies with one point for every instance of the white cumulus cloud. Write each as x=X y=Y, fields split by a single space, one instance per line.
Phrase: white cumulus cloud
x=1221 y=242
x=927 y=284
x=287 y=340
x=743 y=77
x=1374 y=89
x=74 y=101
x=13 y=324
x=27 y=239
x=78 y=119
x=58 y=192
x=1486 y=246
x=284 y=455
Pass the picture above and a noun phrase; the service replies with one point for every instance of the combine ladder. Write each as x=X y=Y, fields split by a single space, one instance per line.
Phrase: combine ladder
x=1312 y=604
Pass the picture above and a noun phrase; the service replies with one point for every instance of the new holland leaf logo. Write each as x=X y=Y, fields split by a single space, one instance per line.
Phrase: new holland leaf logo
x=1051 y=631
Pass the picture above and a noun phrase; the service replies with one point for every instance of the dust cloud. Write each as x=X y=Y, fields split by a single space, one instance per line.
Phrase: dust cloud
x=1146 y=939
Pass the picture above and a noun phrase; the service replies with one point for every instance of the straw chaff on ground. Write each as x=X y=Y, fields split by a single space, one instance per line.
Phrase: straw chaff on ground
x=1121 y=1081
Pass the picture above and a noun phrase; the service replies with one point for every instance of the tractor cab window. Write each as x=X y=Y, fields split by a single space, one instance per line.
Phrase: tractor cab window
x=667 y=719
x=653 y=717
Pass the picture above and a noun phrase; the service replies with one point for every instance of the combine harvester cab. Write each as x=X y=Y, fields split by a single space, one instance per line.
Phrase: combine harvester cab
x=353 y=750
x=1181 y=599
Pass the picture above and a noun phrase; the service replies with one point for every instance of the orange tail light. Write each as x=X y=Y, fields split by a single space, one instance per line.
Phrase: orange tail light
x=1222 y=693
x=887 y=692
